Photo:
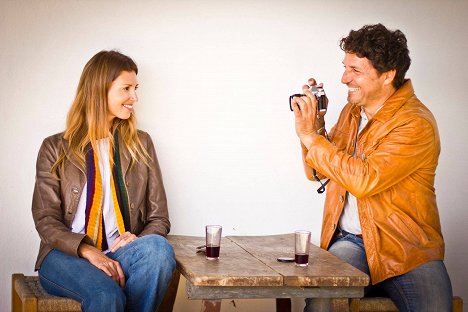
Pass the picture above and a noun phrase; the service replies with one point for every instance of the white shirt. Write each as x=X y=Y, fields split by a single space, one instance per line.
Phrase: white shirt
x=349 y=220
x=78 y=225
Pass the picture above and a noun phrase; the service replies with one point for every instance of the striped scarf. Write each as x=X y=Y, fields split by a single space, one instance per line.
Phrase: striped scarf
x=94 y=224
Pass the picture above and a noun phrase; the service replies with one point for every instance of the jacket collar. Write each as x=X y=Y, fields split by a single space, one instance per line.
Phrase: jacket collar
x=125 y=157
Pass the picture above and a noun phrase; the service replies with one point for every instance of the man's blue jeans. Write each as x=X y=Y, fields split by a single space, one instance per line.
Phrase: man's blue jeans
x=148 y=263
x=425 y=288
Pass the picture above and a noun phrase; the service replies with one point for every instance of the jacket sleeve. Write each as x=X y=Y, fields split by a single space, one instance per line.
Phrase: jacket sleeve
x=308 y=170
x=157 y=215
x=47 y=206
x=406 y=148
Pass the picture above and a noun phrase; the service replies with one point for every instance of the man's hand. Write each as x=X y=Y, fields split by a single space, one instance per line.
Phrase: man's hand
x=111 y=267
x=308 y=121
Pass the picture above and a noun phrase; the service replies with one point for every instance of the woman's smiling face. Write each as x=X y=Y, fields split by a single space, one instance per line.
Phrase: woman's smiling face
x=122 y=96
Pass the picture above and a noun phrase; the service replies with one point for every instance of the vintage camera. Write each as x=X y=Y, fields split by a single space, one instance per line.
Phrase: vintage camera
x=319 y=93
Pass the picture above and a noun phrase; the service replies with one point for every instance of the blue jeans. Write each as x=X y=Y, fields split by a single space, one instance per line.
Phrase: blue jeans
x=425 y=288
x=148 y=263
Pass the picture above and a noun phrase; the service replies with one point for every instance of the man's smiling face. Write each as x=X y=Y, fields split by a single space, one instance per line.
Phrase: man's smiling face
x=365 y=84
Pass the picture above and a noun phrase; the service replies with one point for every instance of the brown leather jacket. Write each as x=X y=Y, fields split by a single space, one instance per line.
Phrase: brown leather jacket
x=392 y=177
x=55 y=201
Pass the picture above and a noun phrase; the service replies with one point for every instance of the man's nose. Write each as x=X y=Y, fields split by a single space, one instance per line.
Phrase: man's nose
x=346 y=78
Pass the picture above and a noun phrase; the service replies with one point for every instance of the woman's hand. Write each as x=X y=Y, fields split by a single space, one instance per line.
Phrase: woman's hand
x=308 y=121
x=122 y=240
x=111 y=267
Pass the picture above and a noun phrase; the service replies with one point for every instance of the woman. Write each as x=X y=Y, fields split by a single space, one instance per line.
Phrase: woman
x=99 y=203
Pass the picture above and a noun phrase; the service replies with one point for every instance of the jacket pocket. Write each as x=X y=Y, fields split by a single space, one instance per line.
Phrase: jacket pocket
x=407 y=229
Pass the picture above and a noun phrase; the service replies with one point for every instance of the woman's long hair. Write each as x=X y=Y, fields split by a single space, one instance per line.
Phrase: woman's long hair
x=87 y=119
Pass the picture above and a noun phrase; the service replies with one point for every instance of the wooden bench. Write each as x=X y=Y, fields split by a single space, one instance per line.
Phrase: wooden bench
x=380 y=304
x=27 y=295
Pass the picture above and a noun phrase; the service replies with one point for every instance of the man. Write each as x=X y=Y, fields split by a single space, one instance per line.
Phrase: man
x=380 y=212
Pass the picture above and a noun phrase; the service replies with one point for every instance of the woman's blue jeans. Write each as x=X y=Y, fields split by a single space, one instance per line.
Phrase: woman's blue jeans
x=425 y=288
x=148 y=263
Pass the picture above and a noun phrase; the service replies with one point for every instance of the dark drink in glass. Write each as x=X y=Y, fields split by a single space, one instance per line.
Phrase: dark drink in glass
x=212 y=252
x=302 y=248
x=301 y=259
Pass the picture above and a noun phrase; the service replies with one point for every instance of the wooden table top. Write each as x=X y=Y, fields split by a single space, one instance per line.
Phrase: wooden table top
x=251 y=261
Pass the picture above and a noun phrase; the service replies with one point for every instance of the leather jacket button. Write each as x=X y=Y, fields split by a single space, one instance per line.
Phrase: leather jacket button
x=132 y=206
x=363 y=156
x=333 y=226
x=75 y=190
x=341 y=198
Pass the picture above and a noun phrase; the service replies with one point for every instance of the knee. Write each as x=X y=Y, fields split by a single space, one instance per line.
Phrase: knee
x=158 y=250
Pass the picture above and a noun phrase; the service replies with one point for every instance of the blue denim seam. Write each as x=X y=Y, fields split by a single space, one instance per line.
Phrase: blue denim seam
x=401 y=293
x=72 y=293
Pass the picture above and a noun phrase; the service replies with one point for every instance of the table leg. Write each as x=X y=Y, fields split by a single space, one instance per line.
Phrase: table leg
x=322 y=305
x=330 y=305
x=283 y=305
x=340 y=305
x=211 y=306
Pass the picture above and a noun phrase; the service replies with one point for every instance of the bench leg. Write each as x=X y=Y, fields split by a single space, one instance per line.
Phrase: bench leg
x=211 y=306
x=26 y=303
x=457 y=303
x=16 y=305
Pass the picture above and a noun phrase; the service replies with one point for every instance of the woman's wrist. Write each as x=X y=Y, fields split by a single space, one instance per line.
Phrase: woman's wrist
x=84 y=250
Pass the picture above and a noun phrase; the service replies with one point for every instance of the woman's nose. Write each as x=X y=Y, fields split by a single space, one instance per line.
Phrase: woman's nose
x=134 y=96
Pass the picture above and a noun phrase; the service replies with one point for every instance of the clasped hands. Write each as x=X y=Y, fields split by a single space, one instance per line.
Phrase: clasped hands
x=309 y=122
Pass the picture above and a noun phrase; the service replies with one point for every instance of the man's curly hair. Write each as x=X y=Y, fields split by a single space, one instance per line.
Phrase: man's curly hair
x=385 y=49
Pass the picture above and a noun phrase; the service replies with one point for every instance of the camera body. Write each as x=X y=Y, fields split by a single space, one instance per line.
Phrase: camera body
x=319 y=94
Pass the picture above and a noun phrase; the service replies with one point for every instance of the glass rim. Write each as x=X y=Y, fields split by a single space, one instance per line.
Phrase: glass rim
x=214 y=226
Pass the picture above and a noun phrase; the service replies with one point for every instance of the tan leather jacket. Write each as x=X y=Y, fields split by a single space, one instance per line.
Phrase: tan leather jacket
x=392 y=177
x=55 y=201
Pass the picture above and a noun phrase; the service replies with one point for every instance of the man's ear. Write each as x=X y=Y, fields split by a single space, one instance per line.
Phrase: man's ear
x=389 y=76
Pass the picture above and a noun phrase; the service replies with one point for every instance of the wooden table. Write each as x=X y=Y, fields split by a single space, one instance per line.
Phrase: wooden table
x=248 y=268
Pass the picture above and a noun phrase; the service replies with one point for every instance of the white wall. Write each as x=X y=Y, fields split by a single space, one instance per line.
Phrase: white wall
x=215 y=77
